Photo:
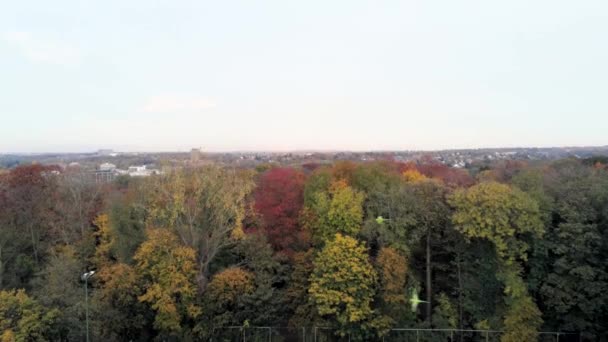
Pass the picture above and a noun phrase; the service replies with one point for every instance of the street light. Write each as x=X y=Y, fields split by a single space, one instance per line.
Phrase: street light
x=85 y=277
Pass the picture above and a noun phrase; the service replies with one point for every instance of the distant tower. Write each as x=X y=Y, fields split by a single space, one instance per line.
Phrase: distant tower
x=195 y=155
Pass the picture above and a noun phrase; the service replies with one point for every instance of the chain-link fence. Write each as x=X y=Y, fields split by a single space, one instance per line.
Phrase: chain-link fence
x=324 y=334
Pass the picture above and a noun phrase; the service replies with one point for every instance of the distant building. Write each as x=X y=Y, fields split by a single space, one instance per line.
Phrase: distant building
x=104 y=176
x=107 y=167
x=105 y=152
x=195 y=155
x=134 y=169
x=141 y=171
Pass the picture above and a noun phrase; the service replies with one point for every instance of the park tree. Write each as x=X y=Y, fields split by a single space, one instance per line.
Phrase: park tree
x=279 y=197
x=202 y=206
x=319 y=181
x=572 y=277
x=451 y=177
x=265 y=305
x=302 y=308
x=58 y=286
x=503 y=216
x=167 y=272
x=224 y=296
x=392 y=269
x=343 y=285
x=25 y=215
x=22 y=318
x=340 y=210
x=120 y=312
x=431 y=214
x=77 y=201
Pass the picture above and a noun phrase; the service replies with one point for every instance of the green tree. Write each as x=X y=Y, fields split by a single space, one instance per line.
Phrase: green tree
x=58 y=286
x=342 y=286
x=24 y=319
x=572 y=279
x=302 y=308
x=338 y=211
x=502 y=215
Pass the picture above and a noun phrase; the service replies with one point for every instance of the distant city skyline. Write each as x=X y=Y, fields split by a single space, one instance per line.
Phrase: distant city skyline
x=301 y=76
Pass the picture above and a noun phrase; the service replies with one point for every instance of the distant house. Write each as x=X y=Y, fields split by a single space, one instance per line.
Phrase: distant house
x=107 y=167
x=105 y=173
x=141 y=171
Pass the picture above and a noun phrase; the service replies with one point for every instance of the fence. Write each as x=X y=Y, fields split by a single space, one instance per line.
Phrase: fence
x=325 y=334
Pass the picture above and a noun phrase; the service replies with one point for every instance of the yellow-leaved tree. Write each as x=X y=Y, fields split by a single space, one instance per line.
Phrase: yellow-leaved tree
x=167 y=272
x=339 y=210
x=202 y=206
x=22 y=318
x=343 y=285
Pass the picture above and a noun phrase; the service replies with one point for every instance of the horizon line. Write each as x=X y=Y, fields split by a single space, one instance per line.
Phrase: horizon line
x=314 y=150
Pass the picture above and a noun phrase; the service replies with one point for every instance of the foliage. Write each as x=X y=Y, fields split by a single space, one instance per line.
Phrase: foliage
x=498 y=213
x=168 y=280
x=342 y=285
x=392 y=271
x=202 y=206
x=412 y=175
x=501 y=215
x=224 y=294
x=445 y=315
x=180 y=254
x=58 y=286
x=23 y=318
x=279 y=197
x=303 y=310
x=337 y=211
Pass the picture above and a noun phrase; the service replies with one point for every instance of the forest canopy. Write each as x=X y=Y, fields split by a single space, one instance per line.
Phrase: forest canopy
x=360 y=248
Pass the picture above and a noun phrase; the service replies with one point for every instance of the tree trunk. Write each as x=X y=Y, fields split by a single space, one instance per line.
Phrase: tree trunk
x=34 y=243
x=459 y=294
x=1 y=268
x=201 y=278
x=428 y=277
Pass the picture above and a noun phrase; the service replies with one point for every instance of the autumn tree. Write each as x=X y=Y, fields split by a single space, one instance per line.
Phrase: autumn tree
x=120 y=311
x=502 y=215
x=340 y=210
x=167 y=274
x=202 y=206
x=392 y=268
x=25 y=211
x=279 y=197
x=77 y=201
x=342 y=286
x=22 y=318
x=224 y=295
x=450 y=176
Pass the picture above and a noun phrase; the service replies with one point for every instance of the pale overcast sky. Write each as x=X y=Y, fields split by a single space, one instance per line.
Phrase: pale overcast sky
x=290 y=75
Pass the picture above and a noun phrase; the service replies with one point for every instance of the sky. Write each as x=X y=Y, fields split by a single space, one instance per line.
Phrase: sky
x=145 y=75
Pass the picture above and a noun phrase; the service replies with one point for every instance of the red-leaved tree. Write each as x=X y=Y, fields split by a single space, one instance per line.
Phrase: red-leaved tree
x=279 y=197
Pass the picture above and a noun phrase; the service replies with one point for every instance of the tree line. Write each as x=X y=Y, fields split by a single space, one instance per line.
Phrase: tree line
x=515 y=247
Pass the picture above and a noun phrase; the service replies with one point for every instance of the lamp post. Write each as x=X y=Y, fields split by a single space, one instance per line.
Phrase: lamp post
x=85 y=277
